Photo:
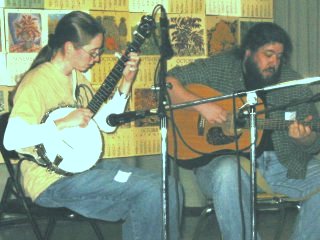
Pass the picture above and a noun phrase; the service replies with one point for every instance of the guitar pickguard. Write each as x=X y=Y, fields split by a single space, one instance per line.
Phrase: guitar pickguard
x=216 y=136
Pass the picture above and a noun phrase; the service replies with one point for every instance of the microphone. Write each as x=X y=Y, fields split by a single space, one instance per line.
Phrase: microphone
x=117 y=119
x=165 y=48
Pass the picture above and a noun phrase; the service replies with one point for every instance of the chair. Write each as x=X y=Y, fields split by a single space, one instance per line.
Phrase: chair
x=16 y=208
x=264 y=202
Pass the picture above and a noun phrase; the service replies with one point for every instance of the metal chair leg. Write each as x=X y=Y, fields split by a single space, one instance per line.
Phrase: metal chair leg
x=201 y=222
x=50 y=227
x=97 y=230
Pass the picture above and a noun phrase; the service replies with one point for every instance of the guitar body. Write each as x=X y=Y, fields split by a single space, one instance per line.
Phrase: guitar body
x=75 y=150
x=198 y=138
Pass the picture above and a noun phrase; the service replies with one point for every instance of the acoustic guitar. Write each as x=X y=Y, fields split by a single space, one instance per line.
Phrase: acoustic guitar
x=197 y=139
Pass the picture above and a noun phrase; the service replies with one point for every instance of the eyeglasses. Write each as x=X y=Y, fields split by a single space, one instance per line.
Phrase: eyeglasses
x=96 y=53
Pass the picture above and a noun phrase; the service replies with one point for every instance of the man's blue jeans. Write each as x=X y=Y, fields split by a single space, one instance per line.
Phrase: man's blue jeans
x=114 y=191
x=219 y=182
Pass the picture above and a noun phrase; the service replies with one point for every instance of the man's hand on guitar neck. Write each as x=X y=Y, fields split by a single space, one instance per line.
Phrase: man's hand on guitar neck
x=80 y=117
x=302 y=133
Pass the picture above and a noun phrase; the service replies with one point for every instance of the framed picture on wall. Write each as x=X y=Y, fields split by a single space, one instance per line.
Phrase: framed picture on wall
x=221 y=33
x=24 y=30
x=53 y=17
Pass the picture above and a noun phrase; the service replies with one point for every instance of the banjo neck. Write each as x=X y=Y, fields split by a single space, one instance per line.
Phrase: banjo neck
x=105 y=90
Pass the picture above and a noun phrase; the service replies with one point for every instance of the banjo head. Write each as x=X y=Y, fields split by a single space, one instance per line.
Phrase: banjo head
x=74 y=149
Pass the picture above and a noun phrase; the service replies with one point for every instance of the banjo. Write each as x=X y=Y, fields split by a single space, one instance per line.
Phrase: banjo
x=69 y=154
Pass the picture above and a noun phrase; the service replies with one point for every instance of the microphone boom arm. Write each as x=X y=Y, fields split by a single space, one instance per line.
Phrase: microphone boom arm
x=126 y=117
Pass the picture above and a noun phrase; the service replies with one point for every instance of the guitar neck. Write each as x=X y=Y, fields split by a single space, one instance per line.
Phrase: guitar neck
x=143 y=31
x=269 y=124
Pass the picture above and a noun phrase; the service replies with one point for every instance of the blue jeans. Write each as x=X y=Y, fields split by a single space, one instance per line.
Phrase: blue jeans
x=109 y=193
x=219 y=181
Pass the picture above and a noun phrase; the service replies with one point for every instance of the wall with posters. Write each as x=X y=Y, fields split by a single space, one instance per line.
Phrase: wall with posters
x=198 y=28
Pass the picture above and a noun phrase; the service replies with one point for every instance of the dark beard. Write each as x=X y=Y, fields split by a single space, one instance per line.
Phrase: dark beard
x=255 y=80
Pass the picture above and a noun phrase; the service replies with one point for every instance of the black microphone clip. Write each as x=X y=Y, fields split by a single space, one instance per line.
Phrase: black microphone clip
x=165 y=48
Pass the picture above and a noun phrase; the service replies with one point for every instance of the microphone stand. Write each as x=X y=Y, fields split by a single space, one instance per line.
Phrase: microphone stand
x=163 y=126
x=252 y=100
x=166 y=53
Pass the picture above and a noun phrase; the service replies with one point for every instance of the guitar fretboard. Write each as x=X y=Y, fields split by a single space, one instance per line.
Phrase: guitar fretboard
x=270 y=124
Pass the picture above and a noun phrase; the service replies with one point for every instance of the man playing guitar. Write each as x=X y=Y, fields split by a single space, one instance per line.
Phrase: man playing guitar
x=288 y=162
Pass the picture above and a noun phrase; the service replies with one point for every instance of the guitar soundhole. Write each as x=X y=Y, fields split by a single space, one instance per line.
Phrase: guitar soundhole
x=216 y=136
